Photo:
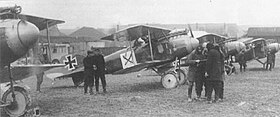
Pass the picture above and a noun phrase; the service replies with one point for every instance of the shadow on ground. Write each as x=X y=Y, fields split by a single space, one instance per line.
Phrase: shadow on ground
x=66 y=87
x=146 y=87
x=257 y=69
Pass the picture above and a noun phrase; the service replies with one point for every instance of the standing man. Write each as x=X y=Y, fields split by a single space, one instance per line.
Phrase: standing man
x=196 y=72
x=39 y=77
x=213 y=72
x=88 y=72
x=242 y=61
x=100 y=71
x=222 y=59
x=273 y=58
x=269 y=62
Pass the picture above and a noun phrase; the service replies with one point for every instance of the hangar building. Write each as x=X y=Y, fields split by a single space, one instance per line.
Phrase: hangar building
x=271 y=34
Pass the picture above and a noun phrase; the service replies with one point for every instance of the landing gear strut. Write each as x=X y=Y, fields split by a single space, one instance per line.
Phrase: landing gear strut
x=15 y=100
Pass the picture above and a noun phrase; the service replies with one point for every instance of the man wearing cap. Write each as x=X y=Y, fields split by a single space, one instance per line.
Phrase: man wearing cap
x=196 y=72
x=88 y=72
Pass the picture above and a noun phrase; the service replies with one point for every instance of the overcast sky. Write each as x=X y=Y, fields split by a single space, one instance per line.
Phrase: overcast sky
x=107 y=13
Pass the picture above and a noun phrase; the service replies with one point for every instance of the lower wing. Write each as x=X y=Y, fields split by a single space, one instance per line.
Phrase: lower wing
x=140 y=66
x=19 y=72
x=134 y=68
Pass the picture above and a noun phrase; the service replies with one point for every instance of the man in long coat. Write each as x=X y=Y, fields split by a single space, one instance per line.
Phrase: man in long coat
x=88 y=72
x=100 y=70
x=213 y=72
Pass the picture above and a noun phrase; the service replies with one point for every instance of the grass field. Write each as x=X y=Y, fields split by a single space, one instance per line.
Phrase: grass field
x=255 y=93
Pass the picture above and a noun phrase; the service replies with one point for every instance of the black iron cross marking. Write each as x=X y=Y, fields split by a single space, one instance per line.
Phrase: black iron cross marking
x=128 y=59
x=70 y=62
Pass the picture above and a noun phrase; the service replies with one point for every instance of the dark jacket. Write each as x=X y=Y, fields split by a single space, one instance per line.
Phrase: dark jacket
x=100 y=63
x=270 y=57
x=88 y=71
x=241 y=58
x=195 y=68
x=213 y=65
x=88 y=62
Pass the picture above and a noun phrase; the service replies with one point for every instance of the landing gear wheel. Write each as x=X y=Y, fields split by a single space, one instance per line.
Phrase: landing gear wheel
x=181 y=76
x=169 y=81
x=55 y=61
x=20 y=106
x=228 y=70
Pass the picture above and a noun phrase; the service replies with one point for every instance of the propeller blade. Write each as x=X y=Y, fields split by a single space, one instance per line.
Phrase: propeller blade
x=23 y=18
x=191 y=31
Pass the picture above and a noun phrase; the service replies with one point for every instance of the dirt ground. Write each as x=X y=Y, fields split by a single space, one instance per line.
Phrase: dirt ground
x=255 y=93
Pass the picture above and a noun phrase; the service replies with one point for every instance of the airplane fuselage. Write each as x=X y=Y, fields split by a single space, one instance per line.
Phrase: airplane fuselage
x=174 y=47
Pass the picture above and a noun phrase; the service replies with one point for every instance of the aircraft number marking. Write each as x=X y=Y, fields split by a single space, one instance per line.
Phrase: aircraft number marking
x=128 y=59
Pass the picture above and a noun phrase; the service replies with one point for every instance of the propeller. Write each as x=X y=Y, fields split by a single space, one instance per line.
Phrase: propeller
x=190 y=30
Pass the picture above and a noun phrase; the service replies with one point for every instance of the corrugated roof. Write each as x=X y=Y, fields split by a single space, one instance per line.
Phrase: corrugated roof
x=88 y=32
x=263 y=31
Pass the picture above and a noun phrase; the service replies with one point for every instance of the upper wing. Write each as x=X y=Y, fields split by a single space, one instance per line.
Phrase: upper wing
x=134 y=32
x=20 y=72
x=40 y=22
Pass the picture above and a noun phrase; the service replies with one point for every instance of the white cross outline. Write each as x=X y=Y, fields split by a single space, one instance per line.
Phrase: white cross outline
x=68 y=66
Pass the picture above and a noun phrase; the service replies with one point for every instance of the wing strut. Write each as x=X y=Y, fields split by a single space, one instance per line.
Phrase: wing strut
x=150 y=43
x=49 y=41
x=164 y=34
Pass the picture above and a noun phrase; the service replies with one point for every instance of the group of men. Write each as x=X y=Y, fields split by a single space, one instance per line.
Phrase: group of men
x=94 y=69
x=206 y=68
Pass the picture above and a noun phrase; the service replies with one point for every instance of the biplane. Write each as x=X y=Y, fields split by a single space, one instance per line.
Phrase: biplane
x=254 y=49
x=18 y=34
x=150 y=47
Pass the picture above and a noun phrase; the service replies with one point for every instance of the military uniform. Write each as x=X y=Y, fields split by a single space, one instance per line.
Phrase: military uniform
x=270 y=60
x=88 y=73
x=100 y=71
x=214 y=71
x=196 y=72
x=242 y=61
